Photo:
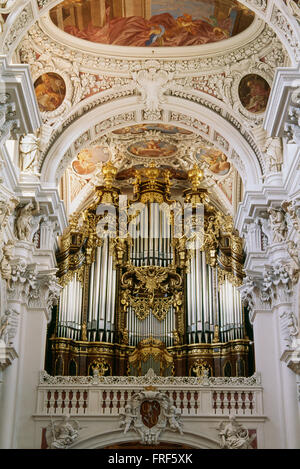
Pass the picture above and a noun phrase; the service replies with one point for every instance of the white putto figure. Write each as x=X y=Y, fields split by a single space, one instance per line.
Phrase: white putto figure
x=60 y=435
x=233 y=435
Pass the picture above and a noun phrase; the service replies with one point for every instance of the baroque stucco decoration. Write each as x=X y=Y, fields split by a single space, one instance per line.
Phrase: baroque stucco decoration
x=133 y=77
x=62 y=434
x=276 y=12
x=233 y=435
x=149 y=413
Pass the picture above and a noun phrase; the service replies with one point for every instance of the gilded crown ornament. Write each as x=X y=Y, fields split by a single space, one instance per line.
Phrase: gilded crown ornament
x=109 y=172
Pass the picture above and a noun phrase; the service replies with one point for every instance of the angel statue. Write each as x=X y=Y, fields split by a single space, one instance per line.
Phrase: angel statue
x=234 y=435
x=277 y=224
x=24 y=220
x=174 y=419
x=127 y=418
x=60 y=435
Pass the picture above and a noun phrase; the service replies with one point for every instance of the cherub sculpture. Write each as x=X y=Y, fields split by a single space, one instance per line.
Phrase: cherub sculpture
x=60 y=435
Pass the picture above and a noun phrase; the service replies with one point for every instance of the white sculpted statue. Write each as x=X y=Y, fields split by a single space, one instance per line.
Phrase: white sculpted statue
x=60 y=435
x=127 y=418
x=29 y=153
x=273 y=154
x=8 y=326
x=291 y=329
x=278 y=224
x=234 y=435
x=174 y=419
x=5 y=263
x=24 y=221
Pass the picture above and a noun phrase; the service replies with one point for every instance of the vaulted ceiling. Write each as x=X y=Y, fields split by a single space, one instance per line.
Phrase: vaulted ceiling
x=194 y=91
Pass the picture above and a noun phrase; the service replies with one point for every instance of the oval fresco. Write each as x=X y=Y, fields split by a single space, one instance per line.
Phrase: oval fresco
x=254 y=92
x=216 y=160
x=152 y=149
x=152 y=23
x=50 y=90
x=89 y=160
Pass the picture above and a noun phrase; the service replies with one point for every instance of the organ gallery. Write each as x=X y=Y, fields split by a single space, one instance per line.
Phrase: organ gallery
x=149 y=226
x=150 y=282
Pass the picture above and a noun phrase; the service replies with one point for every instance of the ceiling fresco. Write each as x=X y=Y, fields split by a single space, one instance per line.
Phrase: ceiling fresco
x=152 y=149
x=152 y=23
x=89 y=161
x=170 y=148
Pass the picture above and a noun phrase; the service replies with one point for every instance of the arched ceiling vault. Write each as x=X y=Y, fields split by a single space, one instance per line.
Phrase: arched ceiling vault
x=196 y=88
x=274 y=12
x=128 y=111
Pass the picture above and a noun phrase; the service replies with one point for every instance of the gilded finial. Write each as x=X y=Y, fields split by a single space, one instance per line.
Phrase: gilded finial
x=195 y=175
x=109 y=172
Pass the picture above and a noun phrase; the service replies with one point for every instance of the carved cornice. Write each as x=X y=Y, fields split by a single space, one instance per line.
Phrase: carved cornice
x=18 y=108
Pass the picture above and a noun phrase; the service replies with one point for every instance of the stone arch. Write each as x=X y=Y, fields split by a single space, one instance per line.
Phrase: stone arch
x=100 y=441
x=177 y=111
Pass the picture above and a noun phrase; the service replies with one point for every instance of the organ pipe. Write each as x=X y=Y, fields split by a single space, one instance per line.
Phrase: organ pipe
x=208 y=295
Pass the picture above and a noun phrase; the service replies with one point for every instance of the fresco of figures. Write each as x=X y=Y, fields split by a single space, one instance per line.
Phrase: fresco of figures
x=152 y=149
x=89 y=160
x=254 y=92
x=215 y=159
x=50 y=90
x=152 y=23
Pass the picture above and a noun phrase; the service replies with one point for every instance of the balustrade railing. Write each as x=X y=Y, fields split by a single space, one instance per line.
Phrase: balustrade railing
x=86 y=395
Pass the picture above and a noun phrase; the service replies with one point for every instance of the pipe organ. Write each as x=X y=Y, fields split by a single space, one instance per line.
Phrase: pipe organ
x=150 y=283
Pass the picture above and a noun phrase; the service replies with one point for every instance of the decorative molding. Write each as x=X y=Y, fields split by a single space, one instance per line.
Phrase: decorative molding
x=22 y=21
x=151 y=379
x=286 y=29
x=19 y=112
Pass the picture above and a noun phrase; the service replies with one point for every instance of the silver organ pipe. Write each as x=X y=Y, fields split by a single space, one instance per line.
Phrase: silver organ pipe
x=70 y=310
x=102 y=294
x=210 y=303
x=151 y=246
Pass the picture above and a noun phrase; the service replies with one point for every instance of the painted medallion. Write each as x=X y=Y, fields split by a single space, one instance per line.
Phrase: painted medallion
x=216 y=160
x=254 y=93
x=50 y=90
x=150 y=411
